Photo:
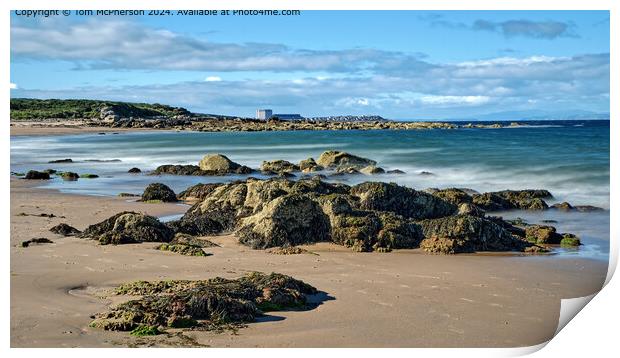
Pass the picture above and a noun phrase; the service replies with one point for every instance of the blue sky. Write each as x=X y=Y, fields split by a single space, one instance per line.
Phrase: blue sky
x=398 y=64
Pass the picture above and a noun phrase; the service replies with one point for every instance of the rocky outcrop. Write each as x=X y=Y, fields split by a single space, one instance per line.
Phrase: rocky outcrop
x=210 y=165
x=371 y=216
x=36 y=175
x=334 y=159
x=129 y=227
x=158 y=192
x=134 y=170
x=289 y=220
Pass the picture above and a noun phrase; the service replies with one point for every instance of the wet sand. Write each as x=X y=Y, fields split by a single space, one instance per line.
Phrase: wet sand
x=399 y=299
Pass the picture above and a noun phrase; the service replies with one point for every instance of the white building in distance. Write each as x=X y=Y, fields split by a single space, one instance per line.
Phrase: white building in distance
x=263 y=113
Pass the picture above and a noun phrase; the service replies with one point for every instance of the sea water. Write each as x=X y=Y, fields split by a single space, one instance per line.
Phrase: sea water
x=569 y=158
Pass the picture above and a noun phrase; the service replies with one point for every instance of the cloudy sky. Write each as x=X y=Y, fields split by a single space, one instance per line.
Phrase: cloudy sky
x=401 y=65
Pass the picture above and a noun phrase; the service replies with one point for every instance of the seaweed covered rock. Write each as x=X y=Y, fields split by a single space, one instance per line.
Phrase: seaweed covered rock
x=197 y=192
x=565 y=206
x=542 y=235
x=36 y=175
x=286 y=221
x=466 y=233
x=453 y=196
x=529 y=199
x=158 y=192
x=401 y=200
x=185 y=239
x=187 y=245
x=178 y=170
x=333 y=159
x=219 y=211
x=65 y=230
x=220 y=164
x=70 y=176
x=183 y=249
x=129 y=227
x=278 y=166
x=491 y=202
x=569 y=240
x=210 y=304
x=367 y=230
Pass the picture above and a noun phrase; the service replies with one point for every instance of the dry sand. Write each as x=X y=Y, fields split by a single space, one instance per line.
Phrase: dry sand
x=399 y=299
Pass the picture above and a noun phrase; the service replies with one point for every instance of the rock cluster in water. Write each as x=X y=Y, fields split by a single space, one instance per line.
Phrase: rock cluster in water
x=335 y=162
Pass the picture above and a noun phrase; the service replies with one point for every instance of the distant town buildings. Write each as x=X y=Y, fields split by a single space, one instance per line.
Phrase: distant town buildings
x=268 y=113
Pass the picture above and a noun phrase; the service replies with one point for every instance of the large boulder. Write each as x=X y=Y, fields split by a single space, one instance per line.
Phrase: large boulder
x=278 y=166
x=158 y=192
x=286 y=221
x=129 y=227
x=401 y=200
x=218 y=163
x=334 y=159
x=466 y=233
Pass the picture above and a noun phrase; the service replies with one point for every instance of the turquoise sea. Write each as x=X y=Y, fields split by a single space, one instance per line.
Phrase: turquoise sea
x=569 y=158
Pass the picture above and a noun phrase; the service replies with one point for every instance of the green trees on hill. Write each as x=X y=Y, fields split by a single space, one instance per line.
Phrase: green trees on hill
x=29 y=109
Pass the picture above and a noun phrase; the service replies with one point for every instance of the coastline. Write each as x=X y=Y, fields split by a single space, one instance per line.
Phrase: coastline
x=56 y=127
x=399 y=299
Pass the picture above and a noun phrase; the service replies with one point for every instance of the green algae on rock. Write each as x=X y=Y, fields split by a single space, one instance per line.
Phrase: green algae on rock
x=129 y=227
x=158 y=191
x=206 y=304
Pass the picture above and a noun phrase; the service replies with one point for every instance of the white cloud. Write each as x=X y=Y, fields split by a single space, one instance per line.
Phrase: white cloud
x=213 y=79
x=115 y=44
x=458 y=100
x=13 y=85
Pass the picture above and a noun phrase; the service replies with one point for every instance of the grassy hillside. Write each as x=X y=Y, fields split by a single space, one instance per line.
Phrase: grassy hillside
x=31 y=109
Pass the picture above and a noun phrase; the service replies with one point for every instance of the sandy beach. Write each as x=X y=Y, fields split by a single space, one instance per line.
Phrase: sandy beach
x=400 y=299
